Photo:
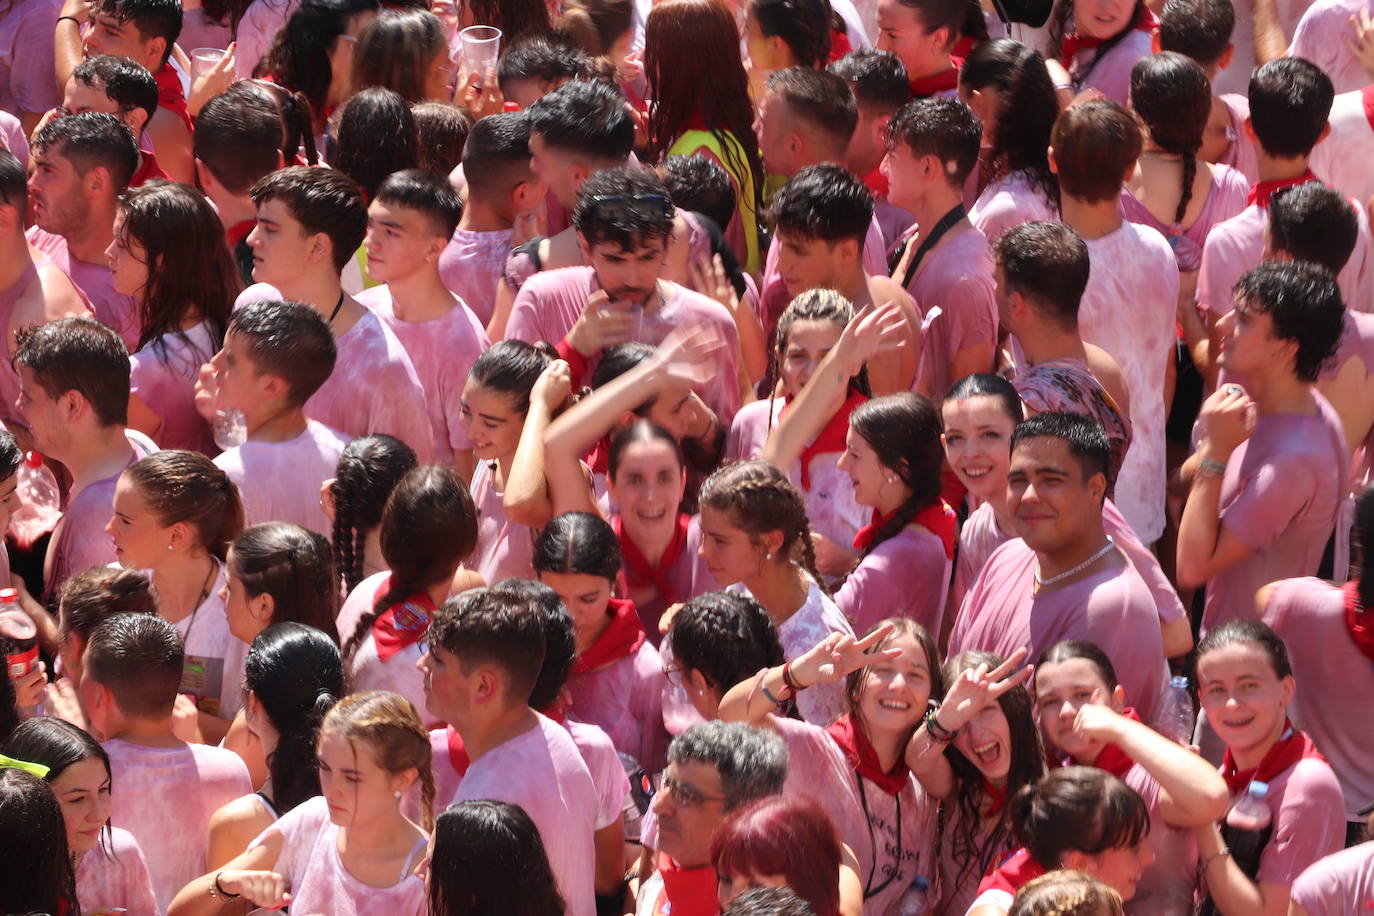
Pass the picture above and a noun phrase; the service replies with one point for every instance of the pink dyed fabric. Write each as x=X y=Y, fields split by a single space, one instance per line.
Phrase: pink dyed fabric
x=557 y=792
x=1236 y=76
x=955 y=275
x=165 y=796
x=1322 y=37
x=1330 y=886
x=320 y=883
x=115 y=875
x=905 y=576
x=1241 y=155
x=958 y=879
x=625 y=698
x=471 y=266
x=280 y=481
x=366 y=671
x=1111 y=74
x=1069 y=385
x=688 y=578
x=505 y=550
x=79 y=541
x=978 y=538
x=1345 y=154
x=163 y=375
x=442 y=351
x=1278 y=498
x=198 y=30
x=95 y=282
x=257 y=30
x=26 y=56
x=1009 y=202
x=1129 y=310
x=1225 y=198
x=214 y=656
x=550 y=302
x=12 y=136
x=9 y=376
x=1166 y=887
x=1112 y=608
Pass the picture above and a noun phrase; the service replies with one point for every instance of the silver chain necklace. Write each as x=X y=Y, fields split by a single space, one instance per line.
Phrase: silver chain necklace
x=1041 y=583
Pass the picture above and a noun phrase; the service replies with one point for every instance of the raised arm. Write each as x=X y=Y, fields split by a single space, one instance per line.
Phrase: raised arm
x=1205 y=548
x=526 y=499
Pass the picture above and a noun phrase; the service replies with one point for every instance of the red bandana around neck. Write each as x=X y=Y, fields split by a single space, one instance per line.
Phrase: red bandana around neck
x=1112 y=758
x=148 y=169
x=621 y=638
x=686 y=891
x=1016 y=872
x=402 y=625
x=239 y=231
x=864 y=759
x=996 y=795
x=638 y=573
x=832 y=438
x=170 y=96
x=1145 y=21
x=1292 y=747
x=1359 y=623
x=926 y=86
x=458 y=753
x=937 y=518
x=1261 y=191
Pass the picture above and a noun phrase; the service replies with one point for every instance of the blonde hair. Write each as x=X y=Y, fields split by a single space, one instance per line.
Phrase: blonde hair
x=393 y=730
x=1066 y=893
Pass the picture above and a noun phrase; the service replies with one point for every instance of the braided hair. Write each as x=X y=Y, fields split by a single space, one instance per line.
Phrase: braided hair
x=759 y=498
x=904 y=432
x=812 y=305
x=292 y=565
x=1172 y=96
x=391 y=727
x=184 y=486
x=368 y=471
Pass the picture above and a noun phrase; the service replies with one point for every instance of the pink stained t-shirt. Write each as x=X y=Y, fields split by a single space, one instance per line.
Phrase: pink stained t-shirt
x=165 y=796
x=1225 y=198
x=1112 y=608
x=955 y=275
x=114 y=875
x=1344 y=155
x=214 y=657
x=1323 y=36
x=12 y=136
x=1279 y=498
x=1111 y=74
x=79 y=541
x=550 y=302
x=471 y=266
x=27 y=42
x=1129 y=309
x=958 y=879
x=556 y=790
x=163 y=375
x=868 y=819
x=906 y=575
x=1240 y=155
x=95 y=282
x=625 y=698
x=280 y=481
x=257 y=30
x=688 y=577
x=321 y=883
x=366 y=670
x=830 y=505
x=1333 y=677
x=442 y=351
x=1008 y=202
x=1166 y=887
x=505 y=549
x=1333 y=885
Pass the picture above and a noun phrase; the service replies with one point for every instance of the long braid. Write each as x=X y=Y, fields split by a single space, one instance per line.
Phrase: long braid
x=1189 y=174
x=348 y=547
x=1173 y=99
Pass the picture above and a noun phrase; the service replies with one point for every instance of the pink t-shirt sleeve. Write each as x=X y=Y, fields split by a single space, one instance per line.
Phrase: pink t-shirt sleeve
x=1336 y=884
x=1273 y=495
x=905 y=576
x=1309 y=823
x=32 y=86
x=106 y=881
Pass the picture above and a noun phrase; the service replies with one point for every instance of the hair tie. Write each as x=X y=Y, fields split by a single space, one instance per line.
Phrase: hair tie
x=37 y=769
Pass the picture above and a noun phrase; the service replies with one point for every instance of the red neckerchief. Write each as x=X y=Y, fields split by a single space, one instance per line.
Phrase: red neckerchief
x=839 y=45
x=1145 y=21
x=403 y=624
x=963 y=48
x=998 y=796
x=458 y=754
x=1261 y=191
x=170 y=96
x=686 y=891
x=239 y=231
x=1357 y=622
x=861 y=756
x=638 y=573
x=621 y=638
x=831 y=438
x=1368 y=95
x=1112 y=758
x=1288 y=750
x=148 y=169
x=877 y=183
x=1017 y=871
x=926 y=86
x=599 y=458
x=937 y=518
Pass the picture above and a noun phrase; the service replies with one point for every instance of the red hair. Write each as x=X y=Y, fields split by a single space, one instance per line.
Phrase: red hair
x=788 y=835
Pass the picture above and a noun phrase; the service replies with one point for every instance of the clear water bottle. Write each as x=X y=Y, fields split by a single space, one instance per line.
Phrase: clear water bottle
x=1176 y=719
x=1251 y=812
x=230 y=429
x=917 y=897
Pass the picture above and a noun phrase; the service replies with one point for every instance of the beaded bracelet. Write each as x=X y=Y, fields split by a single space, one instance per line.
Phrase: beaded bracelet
x=937 y=731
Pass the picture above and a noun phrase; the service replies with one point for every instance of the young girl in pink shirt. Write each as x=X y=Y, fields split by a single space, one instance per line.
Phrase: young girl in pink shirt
x=1100 y=40
x=349 y=851
x=354 y=497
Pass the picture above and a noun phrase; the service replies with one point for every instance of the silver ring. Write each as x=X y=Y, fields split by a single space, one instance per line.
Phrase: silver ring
x=1234 y=389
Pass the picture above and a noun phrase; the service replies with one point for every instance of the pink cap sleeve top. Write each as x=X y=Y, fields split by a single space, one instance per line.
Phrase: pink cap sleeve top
x=1111 y=73
x=1008 y=202
x=1279 y=498
x=1343 y=157
x=163 y=375
x=1225 y=198
x=1333 y=678
x=114 y=875
x=625 y=698
x=280 y=481
x=956 y=275
x=505 y=549
x=366 y=670
x=96 y=282
x=471 y=266
x=906 y=575
x=165 y=797
x=27 y=38
x=1339 y=884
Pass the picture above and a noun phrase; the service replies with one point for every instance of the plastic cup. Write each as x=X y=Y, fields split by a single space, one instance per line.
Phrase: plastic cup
x=480 y=46
x=203 y=60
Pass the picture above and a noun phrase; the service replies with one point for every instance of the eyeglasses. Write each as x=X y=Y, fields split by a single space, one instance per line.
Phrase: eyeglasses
x=674 y=675
x=621 y=208
x=686 y=795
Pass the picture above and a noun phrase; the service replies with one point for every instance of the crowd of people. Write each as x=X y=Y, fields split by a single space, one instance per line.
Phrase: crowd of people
x=741 y=457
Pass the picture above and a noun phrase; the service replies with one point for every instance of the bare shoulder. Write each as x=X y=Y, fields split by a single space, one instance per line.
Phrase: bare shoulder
x=51 y=296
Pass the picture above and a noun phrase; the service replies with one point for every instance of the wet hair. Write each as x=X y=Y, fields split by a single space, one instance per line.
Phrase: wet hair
x=596 y=25
x=151 y=18
x=546 y=57
x=768 y=901
x=515 y=18
x=56 y=744
x=139 y=659
x=395 y=52
x=485 y=626
x=391 y=728
x=297 y=676
x=1081 y=809
x=953 y=15
x=377 y=136
x=787 y=835
x=1246 y=632
x=189 y=268
x=725 y=637
x=759 y=498
x=511 y=367
x=1048 y=264
x=1304 y=304
x=821 y=99
x=82 y=355
x=240 y=134
x=323 y=201
x=639 y=431
x=824 y=202
x=184 y=486
x=803 y=25
x=1290 y=101
x=1094 y=144
x=94 y=595
x=10 y=455
x=700 y=184
x=560 y=643
x=1066 y=892
x=1363 y=535
x=1172 y=96
x=489 y=858
x=812 y=305
x=299 y=56
x=1200 y=29
x=289 y=340
x=987 y=384
x=960 y=821
x=426 y=193
x=618 y=359
x=91 y=140
x=944 y=128
x=1063 y=14
x=297 y=122
x=295 y=567
x=877 y=79
x=585 y=118
x=496 y=156
x=40 y=876
x=632 y=217
x=441 y=130
x=126 y=83
x=14 y=187
x=1084 y=437
x=1313 y=222
x=368 y=470
x=901 y=626
x=1067 y=650
x=429 y=527
x=1019 y=141
x=904 y=432
x=751 y=762
x=578 y=543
